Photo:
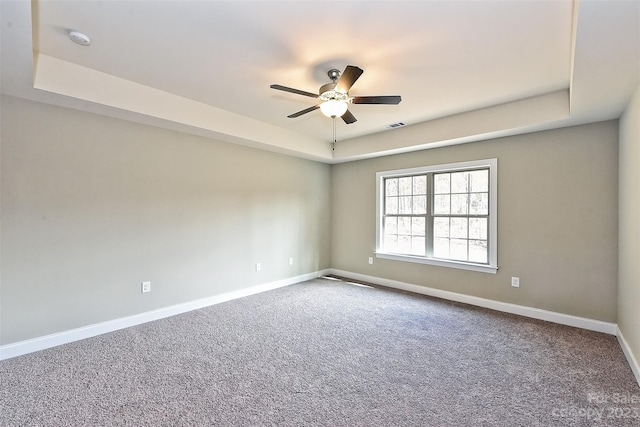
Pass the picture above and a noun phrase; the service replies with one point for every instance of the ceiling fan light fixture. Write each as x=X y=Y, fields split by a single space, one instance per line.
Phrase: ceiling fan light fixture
x=333 y=108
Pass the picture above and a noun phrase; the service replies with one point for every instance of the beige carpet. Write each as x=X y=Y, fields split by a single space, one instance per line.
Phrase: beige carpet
x=328 y=353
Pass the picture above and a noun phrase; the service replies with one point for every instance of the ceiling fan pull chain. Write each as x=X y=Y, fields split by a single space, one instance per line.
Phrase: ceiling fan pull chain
x=333 y=144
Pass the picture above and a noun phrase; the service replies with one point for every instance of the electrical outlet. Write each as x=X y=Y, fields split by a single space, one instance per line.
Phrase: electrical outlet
x=145 y=287
x=370 y=260
x=290 y=261
x=258 y=266
x=515 y=282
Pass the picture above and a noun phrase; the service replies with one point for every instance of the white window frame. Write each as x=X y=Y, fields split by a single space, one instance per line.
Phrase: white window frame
x=492 y=265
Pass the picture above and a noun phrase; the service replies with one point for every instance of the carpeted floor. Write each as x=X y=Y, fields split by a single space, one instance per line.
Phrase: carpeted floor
x=327 y=353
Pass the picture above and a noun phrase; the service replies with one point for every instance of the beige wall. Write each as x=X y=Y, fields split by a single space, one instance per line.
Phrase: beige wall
x=629 y=226
x=93 y=206
x=557 y=220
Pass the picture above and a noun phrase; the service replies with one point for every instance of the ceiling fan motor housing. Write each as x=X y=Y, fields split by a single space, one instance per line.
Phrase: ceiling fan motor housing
x=327 y=92
x=326 y=88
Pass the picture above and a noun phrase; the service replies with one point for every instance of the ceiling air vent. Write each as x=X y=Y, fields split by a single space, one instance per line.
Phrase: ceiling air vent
x=395 y=125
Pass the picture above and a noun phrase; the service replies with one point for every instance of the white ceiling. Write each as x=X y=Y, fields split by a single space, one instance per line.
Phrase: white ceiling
x=466 y=70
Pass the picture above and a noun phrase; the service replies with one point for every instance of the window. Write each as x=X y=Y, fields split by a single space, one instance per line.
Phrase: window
x=443 y=215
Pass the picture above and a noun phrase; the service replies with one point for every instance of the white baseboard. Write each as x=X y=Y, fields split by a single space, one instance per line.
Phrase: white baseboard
x=535 y=313
x=28 y=346
x=633 y=363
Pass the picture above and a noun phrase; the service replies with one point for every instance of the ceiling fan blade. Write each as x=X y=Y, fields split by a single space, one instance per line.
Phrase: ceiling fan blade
x=348 y=78
x=348 y=117
x=292 y=90
x=389 y=100
x=305 y=111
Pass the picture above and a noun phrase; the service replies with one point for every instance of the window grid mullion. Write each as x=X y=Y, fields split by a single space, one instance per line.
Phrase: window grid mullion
x=428 y=241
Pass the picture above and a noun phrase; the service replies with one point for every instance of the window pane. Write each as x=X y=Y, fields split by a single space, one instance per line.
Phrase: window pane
x=420 y=184
x=419 y=205
x=479 y=181
x=391 y=225
x=404 y=186
x=404 y=244
x=441 y=183
x=479 y=204
x=418 y=226
x=459 y=204
x=391 y=205
x=460 y=182
x=478 y=228
x=441 y=204
x=441 y=227
x=404 y=225
x=459 y=228
x=391 y=243
x=404 y=205
x=441 y=248
x=417 y=246
x=458 y=249
x=478 y=251
x=391 y=187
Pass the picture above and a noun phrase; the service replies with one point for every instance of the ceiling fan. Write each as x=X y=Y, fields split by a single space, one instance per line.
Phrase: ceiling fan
x=335 y=96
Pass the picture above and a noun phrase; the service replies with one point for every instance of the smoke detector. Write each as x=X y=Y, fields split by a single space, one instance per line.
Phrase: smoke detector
x=79 y=38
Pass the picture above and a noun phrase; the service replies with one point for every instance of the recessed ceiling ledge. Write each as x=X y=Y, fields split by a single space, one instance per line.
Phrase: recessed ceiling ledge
x=72 y=80
x=475 y=125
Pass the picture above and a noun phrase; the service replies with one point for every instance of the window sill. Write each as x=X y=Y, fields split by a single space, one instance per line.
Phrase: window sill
x=440 y=263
